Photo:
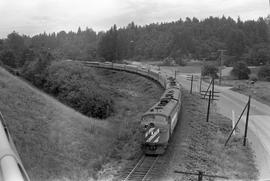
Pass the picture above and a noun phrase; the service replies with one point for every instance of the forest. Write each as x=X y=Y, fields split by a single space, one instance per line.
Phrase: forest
x=34 y=57
x=183 y=39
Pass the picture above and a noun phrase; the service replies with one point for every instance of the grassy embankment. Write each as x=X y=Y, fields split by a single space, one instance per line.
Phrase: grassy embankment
x=57 y=143
x=259 y=91
x=203 y=145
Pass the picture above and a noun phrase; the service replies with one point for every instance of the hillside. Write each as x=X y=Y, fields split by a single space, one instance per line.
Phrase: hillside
x=57 y=143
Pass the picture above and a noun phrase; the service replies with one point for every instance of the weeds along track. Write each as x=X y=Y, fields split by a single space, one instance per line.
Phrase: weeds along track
x=142 y=171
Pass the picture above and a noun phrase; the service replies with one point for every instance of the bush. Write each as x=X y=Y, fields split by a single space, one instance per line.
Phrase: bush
x=7 y=57
x=35 y=70
x=180 y=61
x=241 y=71
x=75 y=85
x=210 y=70
x=264 y=73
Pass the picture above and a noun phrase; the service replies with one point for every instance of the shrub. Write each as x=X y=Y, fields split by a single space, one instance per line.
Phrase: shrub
x=8 y=58
x=180 y=61
x=75 y=85
x=240 y=70
x=264 y=73
x=210 y=70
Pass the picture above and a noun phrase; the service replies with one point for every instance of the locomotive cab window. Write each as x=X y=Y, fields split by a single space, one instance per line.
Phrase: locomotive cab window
x=155 y=119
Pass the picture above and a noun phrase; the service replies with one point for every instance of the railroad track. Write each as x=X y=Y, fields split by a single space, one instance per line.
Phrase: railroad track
x=141 y=171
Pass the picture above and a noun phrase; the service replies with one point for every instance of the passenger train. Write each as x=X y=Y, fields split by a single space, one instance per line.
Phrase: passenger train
x=158 y=123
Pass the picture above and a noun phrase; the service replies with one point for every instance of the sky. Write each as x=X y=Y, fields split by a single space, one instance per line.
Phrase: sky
x=32 y=17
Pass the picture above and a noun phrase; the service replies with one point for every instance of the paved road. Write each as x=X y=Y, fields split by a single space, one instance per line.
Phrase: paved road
x=259 y=124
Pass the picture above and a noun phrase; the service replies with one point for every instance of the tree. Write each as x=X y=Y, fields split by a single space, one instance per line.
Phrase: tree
x=8 y=58
x=210 y=70
x=236 y=43
x=15 y=42
x=264 y=73
x=35 y=71
x=108 y=46
x=28 y=55
x=240 y=70
x=260 y=54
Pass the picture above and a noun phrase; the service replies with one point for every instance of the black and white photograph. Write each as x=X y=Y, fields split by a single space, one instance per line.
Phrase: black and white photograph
x=134 y=90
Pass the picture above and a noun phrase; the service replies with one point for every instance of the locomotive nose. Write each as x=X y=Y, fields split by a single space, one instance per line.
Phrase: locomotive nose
x=151 y=125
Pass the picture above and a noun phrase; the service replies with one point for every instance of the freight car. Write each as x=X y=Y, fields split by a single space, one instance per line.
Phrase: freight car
x=158 y=123
x=11 y=168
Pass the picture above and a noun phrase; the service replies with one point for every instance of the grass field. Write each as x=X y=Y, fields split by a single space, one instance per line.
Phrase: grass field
x=202 y=146
x=57 y=143
x=185 y=69
x=259 y=91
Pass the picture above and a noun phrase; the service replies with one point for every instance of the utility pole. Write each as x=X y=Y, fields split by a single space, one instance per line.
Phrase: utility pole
x=247 y=117
x=220 y=64
x=191 y=78
x=247 y=106
x=201 y=174
x=208 y=108
x=191 y=85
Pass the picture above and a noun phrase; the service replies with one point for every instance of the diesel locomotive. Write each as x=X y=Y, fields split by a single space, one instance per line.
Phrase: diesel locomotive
x=158 y=123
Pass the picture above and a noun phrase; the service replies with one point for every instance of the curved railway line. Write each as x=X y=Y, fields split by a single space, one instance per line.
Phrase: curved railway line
x=147 y=167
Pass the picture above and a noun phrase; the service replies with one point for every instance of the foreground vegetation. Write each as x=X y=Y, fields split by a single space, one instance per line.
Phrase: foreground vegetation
x=57 y=143
x=54 y=141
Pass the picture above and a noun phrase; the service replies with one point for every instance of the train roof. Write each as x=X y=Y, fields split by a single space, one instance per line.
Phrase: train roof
x=172 y=83
x=172 y=93
x=166 y=103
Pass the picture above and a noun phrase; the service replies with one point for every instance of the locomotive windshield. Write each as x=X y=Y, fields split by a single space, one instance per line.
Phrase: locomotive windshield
x=154 y=119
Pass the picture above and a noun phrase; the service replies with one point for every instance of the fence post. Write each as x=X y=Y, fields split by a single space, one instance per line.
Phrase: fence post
x=208 y=108
x=175 y=74
x=200 y=84
x=213 y=87
x=200 y=176
x=247 y=117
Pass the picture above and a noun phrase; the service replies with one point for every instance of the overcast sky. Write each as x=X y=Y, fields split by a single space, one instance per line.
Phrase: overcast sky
x=32 y=17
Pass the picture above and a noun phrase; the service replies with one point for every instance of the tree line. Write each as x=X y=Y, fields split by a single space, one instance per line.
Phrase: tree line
x=190 y=39
x=183 y=39
x=34 y=57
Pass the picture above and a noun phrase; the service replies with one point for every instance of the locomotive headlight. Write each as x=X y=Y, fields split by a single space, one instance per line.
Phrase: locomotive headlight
x=152 y=125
